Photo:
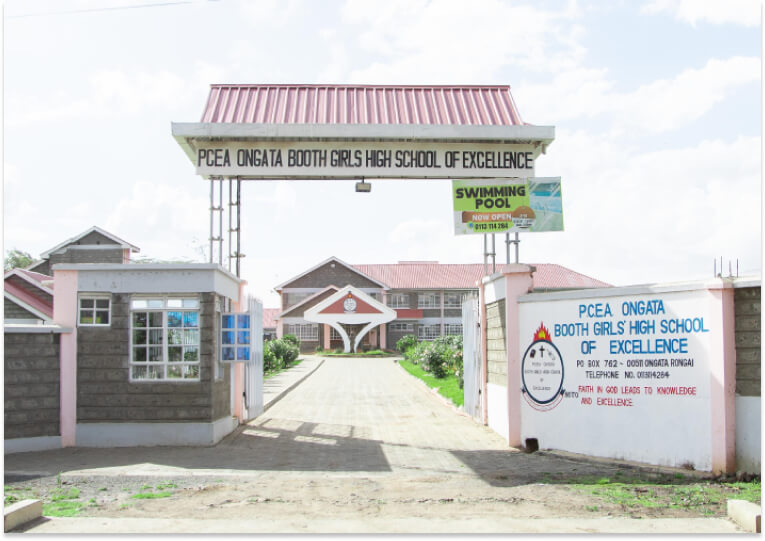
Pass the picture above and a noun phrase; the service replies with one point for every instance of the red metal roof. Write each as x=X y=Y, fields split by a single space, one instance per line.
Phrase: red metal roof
x=454 y=276
x=26 y=297
x=361 y=104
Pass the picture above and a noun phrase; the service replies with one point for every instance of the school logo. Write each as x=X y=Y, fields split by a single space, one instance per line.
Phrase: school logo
x=542 y=372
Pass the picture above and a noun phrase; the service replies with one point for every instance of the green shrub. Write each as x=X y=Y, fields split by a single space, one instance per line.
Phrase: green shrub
x=270 y=362
x=285 y=351
x=319 y=349
x=292 y=339
x=440 y=357
x=406 y=342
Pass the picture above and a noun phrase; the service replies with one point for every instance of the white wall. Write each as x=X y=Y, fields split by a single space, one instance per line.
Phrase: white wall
x=672 y=430
x=496 y=404
x=748 y=433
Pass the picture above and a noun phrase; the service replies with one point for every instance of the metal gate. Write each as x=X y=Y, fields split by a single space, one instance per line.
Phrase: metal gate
x=471 y=356
x=253 y=370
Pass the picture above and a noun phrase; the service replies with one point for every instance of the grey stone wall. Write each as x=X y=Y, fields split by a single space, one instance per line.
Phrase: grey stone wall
x=325 y=276
x=104 y=392
x=11 y=310
x=94 y=237
x=496 y=345
x=88 y=256
x=33 y=290
x=748 y=342
x=31 y=388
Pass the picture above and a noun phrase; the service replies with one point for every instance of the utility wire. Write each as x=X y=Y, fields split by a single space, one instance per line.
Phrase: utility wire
x=115 y=8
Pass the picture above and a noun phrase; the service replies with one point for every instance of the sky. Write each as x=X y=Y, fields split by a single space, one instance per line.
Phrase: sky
x=656 y=107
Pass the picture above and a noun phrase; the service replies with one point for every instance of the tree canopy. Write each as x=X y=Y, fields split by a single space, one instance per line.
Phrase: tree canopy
x=15 y=259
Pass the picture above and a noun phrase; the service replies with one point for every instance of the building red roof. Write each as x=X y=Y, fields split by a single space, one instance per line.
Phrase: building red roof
x=431 y=275
x=361 y=104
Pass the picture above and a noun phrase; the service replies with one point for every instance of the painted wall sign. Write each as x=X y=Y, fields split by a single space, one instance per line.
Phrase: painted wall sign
x=634 y=378
x=368 y=159
x=499 y=206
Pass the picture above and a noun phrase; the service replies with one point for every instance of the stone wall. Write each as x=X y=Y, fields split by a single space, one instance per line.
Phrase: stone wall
x=32 y=375
x=748 y=342
x=11 y=310
x=326 y=275
x=105 y=393
x=496 y=345
x=88 y=256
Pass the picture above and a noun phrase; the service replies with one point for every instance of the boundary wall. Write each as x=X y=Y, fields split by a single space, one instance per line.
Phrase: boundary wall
x=644 y=373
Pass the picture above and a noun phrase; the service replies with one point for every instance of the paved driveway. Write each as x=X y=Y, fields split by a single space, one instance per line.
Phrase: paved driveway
x=359 y=446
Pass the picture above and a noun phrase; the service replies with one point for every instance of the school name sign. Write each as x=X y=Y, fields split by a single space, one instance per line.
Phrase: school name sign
x=368 y=159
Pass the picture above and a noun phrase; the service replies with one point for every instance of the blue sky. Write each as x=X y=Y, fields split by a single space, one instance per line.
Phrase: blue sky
x=657 y=109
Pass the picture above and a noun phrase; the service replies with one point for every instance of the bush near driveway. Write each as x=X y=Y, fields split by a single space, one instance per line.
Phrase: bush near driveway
x=440 y=357
x=280 y=354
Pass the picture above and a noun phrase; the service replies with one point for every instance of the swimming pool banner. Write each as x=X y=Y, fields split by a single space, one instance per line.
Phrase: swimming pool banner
x=507 y=205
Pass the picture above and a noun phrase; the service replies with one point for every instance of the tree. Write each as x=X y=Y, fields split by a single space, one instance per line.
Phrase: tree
x=15 y=259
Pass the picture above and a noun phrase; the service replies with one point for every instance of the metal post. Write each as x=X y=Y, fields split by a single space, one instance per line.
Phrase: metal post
x=212 y=207
x=485 y=254
x=220 y=222
x=507 y=248
x=493 y=254
x=517 y=243
x=238 y=225
x=229 y=222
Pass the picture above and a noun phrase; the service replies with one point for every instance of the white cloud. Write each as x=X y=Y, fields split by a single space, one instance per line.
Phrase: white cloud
x=655 y=107
x=425 y=41
x=161 y=220
x=742 y=12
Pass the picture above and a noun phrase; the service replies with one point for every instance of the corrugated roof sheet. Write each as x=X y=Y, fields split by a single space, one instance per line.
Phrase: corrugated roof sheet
x=361 y=104
x=436 y=276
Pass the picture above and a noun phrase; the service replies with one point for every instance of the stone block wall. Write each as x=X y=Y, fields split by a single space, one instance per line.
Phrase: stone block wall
x=748 y=341
x=104 y=390
x=496 y=344
x=31 y=390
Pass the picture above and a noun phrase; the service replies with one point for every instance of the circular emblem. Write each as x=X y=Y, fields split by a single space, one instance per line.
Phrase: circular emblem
x=349 y=305
x=542 y=372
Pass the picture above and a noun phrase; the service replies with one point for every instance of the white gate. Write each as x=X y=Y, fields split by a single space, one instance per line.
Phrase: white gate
x=471 y=356
x=253 y=370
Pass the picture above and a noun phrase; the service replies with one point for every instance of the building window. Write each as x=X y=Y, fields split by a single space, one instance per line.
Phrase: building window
x=94 y=311
x=454 y=329
x=308 y=332
x=334 y=335
x=453 y=300
x=428 y=332
x=164 y=339
x=428 y=300
x=401 y=327
x=398 y=300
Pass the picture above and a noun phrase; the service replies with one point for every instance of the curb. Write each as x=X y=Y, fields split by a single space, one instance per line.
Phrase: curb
x=21 y=512
x=288 y=389
x=746 y=514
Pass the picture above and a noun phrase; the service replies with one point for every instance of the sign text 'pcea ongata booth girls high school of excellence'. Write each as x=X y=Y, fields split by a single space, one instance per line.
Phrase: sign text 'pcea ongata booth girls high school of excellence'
x=369 y=159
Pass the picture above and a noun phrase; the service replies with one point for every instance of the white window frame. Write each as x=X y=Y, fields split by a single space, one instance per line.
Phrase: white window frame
x=401 y=327
x=164 y=305
x=398 y=300
x=334 y=335
x=298 y=330
x=428 y=332
x=433 y=300
x=460 y=299
x=94 y=310
x=450 y=329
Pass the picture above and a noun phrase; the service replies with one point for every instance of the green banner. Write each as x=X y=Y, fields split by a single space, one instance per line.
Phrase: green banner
x=505 y=205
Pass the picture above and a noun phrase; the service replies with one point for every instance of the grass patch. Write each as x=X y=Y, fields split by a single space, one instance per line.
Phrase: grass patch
x=151 y=495
x=272 y=373
x=61 y=494
x=163 y=486
x=706 y=497
x=448 y=387
x=65 y=508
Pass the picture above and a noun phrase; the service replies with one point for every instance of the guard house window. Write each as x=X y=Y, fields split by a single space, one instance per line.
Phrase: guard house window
x=235 y=337
x=164 y=339
x=94 y=311
x=428 y=300
x=453 y=300
x=399 y=300
x=454 y=329
x=428 y=332
x=308 y=332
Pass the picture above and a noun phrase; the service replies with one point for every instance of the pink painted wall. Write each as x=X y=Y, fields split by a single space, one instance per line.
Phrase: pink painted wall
x=723 y=382
x=238 y=305
x=65 y=314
